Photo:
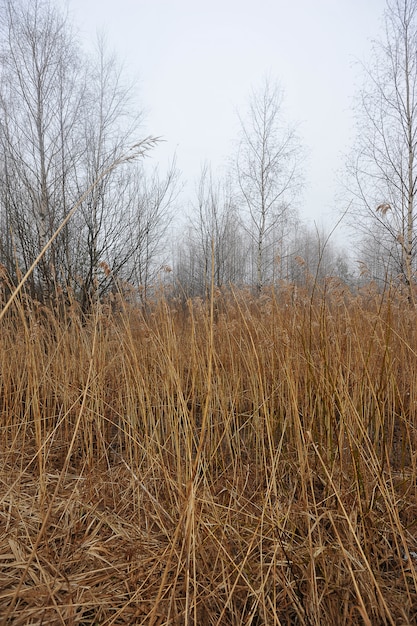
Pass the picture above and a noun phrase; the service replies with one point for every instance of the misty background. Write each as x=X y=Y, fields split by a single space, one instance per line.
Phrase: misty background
x=275 y=145
x=196 y=62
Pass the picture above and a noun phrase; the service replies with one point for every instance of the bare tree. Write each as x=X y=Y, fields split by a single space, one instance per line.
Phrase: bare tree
x=383 y=166
x=64 y=119
x=214 y=240
x=109 y=127
x=40 y=100
x=268 y=171
x=313 y=257
x=152 y=198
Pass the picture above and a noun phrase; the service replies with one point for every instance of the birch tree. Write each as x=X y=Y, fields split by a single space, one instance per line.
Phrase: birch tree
x=268 y=168
x=40 y=103
x=214 y=241
x=383 y=166
x=64 y=119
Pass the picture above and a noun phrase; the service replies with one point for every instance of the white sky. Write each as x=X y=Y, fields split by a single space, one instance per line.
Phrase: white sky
x=197 y=61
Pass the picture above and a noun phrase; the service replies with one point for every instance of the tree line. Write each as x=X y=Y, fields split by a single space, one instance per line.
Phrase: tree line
x=66 y=117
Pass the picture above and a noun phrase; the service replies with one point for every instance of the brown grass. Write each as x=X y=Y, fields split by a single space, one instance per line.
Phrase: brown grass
x=250 y=462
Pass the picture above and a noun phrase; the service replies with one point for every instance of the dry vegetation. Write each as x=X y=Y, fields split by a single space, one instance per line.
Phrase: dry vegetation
x=243 y=461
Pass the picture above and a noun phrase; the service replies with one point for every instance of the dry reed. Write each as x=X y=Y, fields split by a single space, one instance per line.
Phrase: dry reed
x=249 y=463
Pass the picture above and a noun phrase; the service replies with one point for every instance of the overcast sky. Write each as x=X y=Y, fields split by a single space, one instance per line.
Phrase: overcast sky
x=197 y=62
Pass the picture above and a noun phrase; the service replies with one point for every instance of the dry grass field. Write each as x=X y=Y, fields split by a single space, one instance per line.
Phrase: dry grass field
x=243 y=461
